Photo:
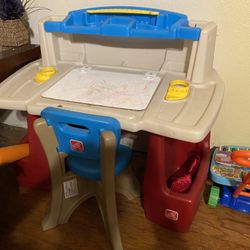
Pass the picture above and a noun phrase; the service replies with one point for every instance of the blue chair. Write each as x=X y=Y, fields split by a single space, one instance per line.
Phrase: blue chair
x=84 y=156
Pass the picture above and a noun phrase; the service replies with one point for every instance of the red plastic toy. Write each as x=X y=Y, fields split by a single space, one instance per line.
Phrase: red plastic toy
x=182 y=180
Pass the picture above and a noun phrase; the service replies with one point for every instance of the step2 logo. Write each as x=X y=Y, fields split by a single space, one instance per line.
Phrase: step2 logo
x=76 y=145
x=171 y=214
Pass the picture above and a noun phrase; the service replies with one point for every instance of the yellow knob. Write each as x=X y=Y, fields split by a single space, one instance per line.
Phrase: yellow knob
x=178 y=90
x=44 y=74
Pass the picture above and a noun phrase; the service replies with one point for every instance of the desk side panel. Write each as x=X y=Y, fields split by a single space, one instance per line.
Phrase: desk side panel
x=190 y=119
x=20 y=89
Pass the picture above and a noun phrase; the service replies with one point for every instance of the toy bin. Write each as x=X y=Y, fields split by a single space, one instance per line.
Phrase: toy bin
x=166 y=156
x=33 y=171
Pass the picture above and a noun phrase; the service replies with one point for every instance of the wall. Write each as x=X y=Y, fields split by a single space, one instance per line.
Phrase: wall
x=232 y=55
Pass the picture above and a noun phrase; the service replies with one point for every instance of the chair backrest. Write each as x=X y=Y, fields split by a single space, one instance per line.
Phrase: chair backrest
x=78 y=134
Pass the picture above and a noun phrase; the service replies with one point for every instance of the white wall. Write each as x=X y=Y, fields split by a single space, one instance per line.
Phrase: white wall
x=232 y=55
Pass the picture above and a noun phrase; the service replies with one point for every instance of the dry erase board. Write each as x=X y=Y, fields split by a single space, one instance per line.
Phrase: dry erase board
x=106 y=88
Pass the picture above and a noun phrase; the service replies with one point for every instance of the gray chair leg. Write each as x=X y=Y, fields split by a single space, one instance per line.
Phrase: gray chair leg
x=61 y=207
x=49 y=142
x=127 y=184
x=108 y=200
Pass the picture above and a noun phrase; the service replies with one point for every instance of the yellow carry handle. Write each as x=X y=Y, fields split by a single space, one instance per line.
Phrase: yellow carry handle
x=123 y=11
x=13 y=153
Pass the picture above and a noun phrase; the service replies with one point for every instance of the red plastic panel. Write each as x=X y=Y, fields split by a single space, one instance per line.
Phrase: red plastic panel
x=33 y=170
x=166 y=156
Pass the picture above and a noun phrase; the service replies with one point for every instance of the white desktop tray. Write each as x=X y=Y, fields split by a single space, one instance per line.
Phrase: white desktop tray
x=106 y=88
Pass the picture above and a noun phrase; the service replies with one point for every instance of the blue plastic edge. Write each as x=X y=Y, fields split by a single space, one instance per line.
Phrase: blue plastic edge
x=95 y=124
x=58 y=118
x=241 y=203
x=177 y=30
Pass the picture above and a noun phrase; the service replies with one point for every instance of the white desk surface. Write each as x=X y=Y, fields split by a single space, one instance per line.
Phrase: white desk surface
x=188 y=120
x=105 y=88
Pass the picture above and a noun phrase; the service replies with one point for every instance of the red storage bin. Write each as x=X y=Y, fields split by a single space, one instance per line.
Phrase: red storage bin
x=33 y=171
x=170 y=209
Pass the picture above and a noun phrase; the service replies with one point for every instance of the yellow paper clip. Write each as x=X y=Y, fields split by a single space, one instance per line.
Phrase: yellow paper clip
x=177 y=90
x=44 y=74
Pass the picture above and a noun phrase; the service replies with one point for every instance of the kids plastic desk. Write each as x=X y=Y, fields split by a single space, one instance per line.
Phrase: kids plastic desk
x=124 y=41
x=161 y=42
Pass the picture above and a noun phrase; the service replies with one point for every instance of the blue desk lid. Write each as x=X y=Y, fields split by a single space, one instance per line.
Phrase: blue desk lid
x=126 y=21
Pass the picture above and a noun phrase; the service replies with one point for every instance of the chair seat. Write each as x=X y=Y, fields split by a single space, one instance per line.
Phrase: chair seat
x=91 y=169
